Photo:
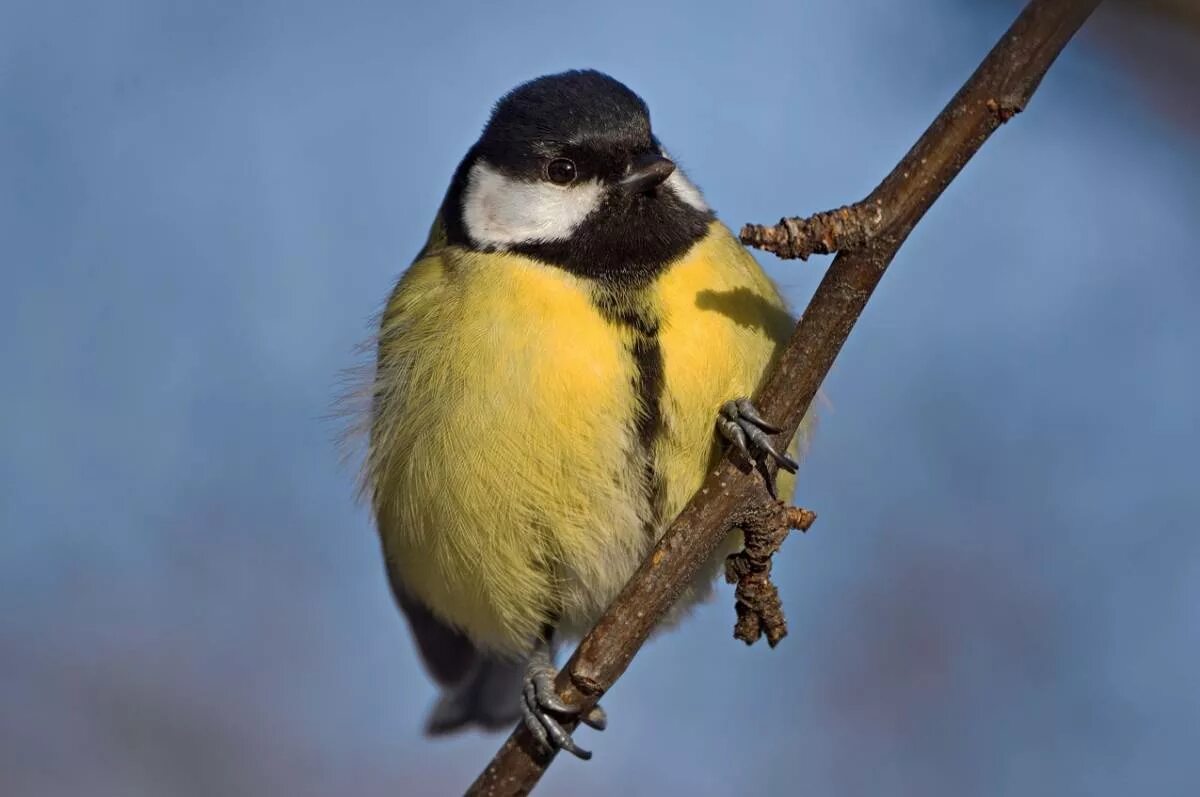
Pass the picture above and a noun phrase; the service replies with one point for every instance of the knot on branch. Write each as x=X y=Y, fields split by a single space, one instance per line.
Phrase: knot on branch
x=759 y=610
x=1005 y=108
x=821 y=233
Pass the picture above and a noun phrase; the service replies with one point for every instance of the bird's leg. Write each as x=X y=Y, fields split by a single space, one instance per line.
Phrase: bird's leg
x=544 y=711
x=741 y=425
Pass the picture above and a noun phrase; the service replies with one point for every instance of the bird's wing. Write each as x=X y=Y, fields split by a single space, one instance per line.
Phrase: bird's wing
x=447 y=653
x=477 y=689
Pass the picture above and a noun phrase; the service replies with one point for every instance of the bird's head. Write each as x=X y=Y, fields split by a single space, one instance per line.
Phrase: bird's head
x=569 y=172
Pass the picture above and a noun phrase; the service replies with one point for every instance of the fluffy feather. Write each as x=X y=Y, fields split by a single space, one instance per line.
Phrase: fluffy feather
x=503 y=468
x=500 y=211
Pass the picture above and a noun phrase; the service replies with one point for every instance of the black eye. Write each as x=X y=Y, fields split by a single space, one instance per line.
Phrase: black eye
x=560 y=170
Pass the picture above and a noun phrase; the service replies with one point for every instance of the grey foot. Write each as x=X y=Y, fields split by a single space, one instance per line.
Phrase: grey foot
x=543 y=711
x=740 y=424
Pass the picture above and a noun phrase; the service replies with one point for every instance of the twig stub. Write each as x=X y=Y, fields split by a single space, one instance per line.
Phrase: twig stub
x=821 y=233
x=756 y=598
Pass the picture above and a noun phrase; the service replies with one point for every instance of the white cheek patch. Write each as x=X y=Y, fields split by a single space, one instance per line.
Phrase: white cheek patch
x=683 y=187
x=686 y=191
x=503 y=211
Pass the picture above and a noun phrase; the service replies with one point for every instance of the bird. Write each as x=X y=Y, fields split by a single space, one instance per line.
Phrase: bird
x=568 y=355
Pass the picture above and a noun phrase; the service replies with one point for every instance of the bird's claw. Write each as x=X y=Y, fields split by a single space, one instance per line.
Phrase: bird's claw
x=742 y=425
x=540 y=704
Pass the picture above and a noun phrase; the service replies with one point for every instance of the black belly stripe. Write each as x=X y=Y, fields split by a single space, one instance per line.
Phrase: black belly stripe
x=648 y=385
x=648 y=382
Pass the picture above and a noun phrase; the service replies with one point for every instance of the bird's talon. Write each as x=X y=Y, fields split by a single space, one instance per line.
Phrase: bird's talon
x=542 y=680
x=531 y=719
x=734 y=434
x=541 y=702
x=748 y=411
x=741 y=424
x=595 y=718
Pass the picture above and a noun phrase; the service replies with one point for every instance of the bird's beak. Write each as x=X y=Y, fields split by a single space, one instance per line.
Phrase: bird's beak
x=648 y=171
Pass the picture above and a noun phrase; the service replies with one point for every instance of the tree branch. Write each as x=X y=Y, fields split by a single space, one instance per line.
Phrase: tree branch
x=868 y=235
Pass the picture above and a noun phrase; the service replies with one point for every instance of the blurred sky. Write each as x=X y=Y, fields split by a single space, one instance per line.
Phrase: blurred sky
x=202 y=204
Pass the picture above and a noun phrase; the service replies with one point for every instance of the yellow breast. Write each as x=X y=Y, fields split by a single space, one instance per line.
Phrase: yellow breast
x=509 y=484
x=501 y=444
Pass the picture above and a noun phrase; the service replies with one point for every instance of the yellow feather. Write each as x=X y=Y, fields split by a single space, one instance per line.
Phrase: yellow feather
x=503 y=459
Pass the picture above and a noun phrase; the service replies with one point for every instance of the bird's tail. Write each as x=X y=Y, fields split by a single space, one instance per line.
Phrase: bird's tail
x=488 y=696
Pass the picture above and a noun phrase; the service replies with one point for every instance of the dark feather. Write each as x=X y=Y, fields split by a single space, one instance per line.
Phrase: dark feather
x=477 y=689
x=447 y=653
x=488 y=697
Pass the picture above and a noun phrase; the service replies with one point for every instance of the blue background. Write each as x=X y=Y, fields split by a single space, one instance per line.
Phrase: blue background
x=202 y=204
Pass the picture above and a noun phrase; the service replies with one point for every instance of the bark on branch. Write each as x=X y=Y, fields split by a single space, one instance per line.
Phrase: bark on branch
x=756 y=599
x=867 y=235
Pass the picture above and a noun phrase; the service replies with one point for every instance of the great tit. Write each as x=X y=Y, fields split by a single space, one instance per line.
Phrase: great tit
x=554 y=376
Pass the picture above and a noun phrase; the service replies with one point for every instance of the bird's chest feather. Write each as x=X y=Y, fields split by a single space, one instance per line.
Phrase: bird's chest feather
x=551 y=427
x=508 y=468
